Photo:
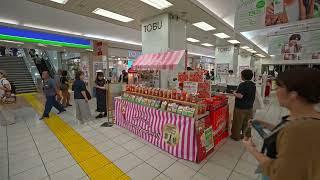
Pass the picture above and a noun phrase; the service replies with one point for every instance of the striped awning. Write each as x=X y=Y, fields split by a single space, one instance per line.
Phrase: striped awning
x=157 y=61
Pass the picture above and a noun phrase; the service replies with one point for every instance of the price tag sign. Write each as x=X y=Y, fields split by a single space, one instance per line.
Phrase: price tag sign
x=190 y=87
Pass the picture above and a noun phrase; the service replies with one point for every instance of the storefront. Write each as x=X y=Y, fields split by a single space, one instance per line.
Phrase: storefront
x=176 y=121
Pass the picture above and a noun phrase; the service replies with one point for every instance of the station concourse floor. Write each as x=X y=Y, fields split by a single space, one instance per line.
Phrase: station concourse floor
x=32 y=149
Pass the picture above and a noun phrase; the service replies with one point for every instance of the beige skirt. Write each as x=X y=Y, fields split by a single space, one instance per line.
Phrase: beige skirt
x=83 y=113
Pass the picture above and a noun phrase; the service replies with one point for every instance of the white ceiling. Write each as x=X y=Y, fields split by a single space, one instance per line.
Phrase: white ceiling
x=226 y=10
x=76 y=17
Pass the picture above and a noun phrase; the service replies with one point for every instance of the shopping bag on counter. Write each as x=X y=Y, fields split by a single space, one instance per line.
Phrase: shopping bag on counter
x=258 y=102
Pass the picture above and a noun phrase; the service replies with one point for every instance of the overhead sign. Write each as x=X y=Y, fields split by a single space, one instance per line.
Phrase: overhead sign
x=134 y=54
x=258 y=14
x=23 y=35
x=296 y=46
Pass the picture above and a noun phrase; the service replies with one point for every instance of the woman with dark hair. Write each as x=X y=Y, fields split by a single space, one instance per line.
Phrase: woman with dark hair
x=81 y=99
x=64 y=87
x=101 y=95
x=293 y=145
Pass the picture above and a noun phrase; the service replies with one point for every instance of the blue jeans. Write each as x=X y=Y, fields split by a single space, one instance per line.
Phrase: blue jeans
x=263 y=177
x=52 y=102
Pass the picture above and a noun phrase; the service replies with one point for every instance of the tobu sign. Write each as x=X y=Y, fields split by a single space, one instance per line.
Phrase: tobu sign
x=153 y=26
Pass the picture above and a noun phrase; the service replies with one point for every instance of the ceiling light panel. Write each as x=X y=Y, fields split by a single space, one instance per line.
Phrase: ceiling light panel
x=192 y=40
x=13 y=42
x=60 y=1
x=159 y=4
x=207 y=44
x=222 y=35
x=260 y=55
x=204 y=26
x=245 y=47
x=52 y=29
x=233 y=41
x=112 y=15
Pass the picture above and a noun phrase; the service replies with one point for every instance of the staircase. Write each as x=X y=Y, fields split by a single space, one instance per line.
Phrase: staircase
x=18 y=74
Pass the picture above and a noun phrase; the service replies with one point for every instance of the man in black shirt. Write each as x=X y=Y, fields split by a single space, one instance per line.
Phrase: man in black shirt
x=245 y=96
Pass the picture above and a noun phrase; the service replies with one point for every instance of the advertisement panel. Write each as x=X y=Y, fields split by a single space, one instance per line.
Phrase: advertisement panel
x=296 y=46
x=258 y=14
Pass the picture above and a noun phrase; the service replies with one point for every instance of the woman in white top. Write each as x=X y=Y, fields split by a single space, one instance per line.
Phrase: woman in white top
x=6 y=115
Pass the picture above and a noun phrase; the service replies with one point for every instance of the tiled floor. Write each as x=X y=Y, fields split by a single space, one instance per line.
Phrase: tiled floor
x=29 y=150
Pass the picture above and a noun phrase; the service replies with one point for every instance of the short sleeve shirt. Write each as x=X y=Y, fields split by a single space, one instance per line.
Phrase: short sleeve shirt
x=49 y=87
x=78 y=87
x=248 y=90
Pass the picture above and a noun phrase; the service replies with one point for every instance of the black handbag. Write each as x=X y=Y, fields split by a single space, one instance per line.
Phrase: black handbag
x=269 y=146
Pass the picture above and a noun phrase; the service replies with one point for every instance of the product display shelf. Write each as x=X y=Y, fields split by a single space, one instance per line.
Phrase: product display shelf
x=169 y=100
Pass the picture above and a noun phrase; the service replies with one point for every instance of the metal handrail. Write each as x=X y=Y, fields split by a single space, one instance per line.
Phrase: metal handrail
x=30 y=65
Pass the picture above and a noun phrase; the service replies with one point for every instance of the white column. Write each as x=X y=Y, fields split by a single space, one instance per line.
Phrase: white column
x=163 y=33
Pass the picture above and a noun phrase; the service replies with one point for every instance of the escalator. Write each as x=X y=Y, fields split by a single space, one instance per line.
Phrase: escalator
x=42 y=61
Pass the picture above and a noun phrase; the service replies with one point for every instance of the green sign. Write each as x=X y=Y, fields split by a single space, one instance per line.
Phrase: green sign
x=208 y=134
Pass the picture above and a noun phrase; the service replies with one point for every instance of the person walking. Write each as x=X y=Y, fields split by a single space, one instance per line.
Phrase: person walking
x=101 y=94
x=6 y=114
x=245 y=96
x=292 y=148
x=51 y=92
x=81 y=99
x=64 y=87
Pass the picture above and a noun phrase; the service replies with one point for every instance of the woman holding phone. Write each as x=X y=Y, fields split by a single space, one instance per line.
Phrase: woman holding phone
x=293 y=146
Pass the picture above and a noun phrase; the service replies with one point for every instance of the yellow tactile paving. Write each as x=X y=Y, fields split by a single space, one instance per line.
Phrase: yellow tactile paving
x=93 y=163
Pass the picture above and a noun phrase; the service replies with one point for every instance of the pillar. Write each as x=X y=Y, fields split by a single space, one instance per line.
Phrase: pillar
x=164 y=33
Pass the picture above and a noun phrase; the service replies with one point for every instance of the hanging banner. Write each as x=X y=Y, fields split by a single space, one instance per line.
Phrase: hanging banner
x=296 y=46
x=258 y=14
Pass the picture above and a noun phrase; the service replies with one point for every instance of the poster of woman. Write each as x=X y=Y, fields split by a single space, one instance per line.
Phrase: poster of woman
x=292 y=49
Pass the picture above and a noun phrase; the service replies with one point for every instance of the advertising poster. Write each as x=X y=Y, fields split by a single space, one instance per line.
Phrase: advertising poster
x=296 y=46
x=257 y=14
x=223 y=68
x=241 y=68
x=85 y=70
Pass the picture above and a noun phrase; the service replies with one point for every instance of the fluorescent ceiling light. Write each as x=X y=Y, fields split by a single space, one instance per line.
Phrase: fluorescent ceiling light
x=13 y=42
x=159 y=4
x=112 y=39
x=52 y=29
x=204 y=26
x=192 y=40
x=112 y=15
x=197 y=54
x=245 y=47
x=60 y=1
x=260 y=55
x=206 y=44
x=42 y=45
x=9 y=21
x=252 y=51
x=233 y=41
x=222 y=35
x=89 y=50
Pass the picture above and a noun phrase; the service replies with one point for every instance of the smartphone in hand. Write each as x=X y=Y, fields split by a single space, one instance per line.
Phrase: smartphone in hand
x=259 y=128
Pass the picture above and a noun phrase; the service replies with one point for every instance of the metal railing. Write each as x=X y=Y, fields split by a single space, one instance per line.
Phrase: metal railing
x=31 y=66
